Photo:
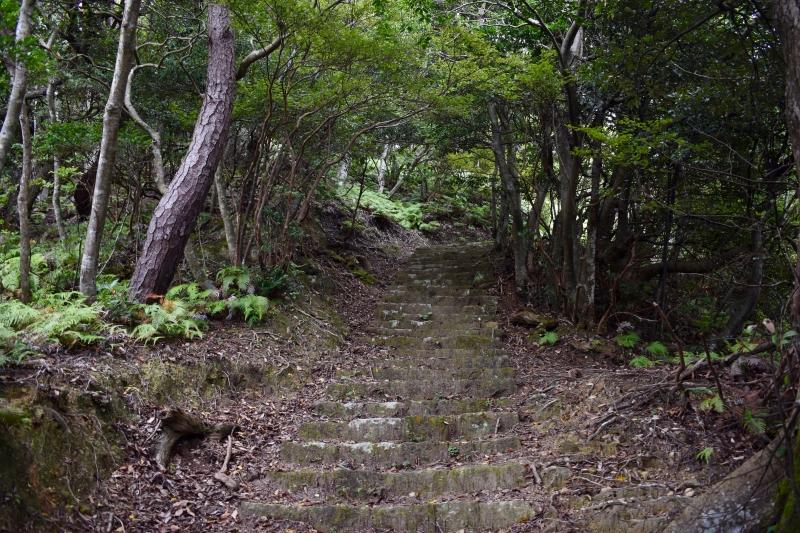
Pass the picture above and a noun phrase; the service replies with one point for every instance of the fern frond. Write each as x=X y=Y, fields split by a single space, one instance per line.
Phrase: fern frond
x=16 y=315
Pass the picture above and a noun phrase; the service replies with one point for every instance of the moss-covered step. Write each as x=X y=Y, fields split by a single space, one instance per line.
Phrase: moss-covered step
x=346 y=484
x=459 y=298
x=461 y=357
x=388 y=454
x=465 y=341
x=448 y=517
x=469 y=426
x=407 y=373
x=422 y=390
x=399 y=409
x=469 y=277
x=428 y=320
x=436 y=331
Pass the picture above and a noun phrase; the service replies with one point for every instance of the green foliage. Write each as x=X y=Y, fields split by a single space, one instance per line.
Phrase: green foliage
x=549 y=338
x=237 y=277
x=641 y=362
x=657 y=349
x=705 y=454
x=753 y=423
x=60 y=318
x=252 y=306
x=627 y=340
x=714 y=402
x=453 y=451
x=409 y=216
x=168 y=319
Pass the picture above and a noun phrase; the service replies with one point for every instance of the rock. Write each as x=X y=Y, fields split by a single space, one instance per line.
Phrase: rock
x=525 y=318
x=555 y=477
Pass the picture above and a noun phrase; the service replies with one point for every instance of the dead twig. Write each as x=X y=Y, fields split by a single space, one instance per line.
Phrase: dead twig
x=221 y=476
x=600 y=429
x=677 y=340
x=711 y=367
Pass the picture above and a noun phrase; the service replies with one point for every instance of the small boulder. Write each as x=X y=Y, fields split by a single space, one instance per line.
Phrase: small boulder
x=555 y=477
x=525 y=318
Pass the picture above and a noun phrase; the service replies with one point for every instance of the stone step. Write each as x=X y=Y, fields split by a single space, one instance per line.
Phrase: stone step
x=422 y=390
x=459 y=300
x=407 y=373
x=387 y=454
x=469 y=360
x=444 y=277
x=346 y=484
x=458 y=356
x=339 y=410
x=411 y=293
x=469 y=426
x=387 y=309
x=394 y=319
x=467 y=341
x=449 y=517
x=478 y=273
x=434 y=330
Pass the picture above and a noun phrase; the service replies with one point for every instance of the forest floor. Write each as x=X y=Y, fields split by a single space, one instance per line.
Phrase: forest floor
x=612 y=427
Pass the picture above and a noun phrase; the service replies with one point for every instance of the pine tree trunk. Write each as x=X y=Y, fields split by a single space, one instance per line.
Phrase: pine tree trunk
x=22 y=207
x=161 y=175
x=108 y=149
x=177 y=212
x=17 y=97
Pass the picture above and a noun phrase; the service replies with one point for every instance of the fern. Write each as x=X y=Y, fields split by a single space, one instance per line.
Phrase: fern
x=627 y=340
x=234 y=276
x=641 y=362
x=551 y=337
x=169 y=319
x=657 y=349
x=756 y=426
x=714 y=402
x=254 y=307
x=16 y=315
x=705 y=454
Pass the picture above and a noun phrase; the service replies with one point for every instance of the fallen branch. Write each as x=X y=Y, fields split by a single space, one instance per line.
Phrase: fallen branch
x=600 y=429
x=702 y=364
x=221 y=476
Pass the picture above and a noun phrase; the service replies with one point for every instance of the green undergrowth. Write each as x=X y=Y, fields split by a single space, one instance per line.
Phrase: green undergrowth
x=70 y=320
x=409 y=215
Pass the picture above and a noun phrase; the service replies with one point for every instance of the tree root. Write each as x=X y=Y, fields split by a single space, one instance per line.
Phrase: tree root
x=176 y=424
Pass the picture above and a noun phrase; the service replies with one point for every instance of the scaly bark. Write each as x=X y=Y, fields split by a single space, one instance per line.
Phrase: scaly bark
x=108 y=148
x=177 y=212
x=161 y=176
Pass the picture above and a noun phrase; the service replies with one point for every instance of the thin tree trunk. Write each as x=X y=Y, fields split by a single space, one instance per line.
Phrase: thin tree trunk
x=53 y=115
x=108 y=148
x=341 y=174
x=788 y=12
x=404 y=176
x=22 y=207
x=177 y=212
x=382 y=168
x=493 y=208
x=225 y=212
x=20 y=84
x=506 y=164
x=590 y=255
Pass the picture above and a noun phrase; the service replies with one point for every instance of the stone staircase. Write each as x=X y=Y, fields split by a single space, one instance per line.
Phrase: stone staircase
x=416 y=441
